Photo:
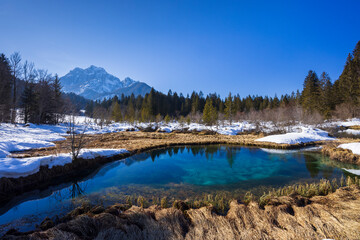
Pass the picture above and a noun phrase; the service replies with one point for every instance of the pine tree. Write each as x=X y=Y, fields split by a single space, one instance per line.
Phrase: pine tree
x=130 y=111
x=167 y=118
x=116 y=111
x=5 y=89
x=29 y=102
x=209 y=113
x=58 y=101
x=229 y=108
x=311 y=94
x=326 y=102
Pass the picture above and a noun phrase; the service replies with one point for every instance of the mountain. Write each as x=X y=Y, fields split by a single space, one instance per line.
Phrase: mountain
x=95 y=83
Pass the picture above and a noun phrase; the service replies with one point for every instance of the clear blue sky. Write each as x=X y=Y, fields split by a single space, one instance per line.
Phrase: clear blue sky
x=246 y=47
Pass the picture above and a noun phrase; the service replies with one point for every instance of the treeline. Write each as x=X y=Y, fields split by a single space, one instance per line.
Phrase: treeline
x=30 y=94
x=38 y=97
x=319 y=99
x=340 y=99
x=155 y=106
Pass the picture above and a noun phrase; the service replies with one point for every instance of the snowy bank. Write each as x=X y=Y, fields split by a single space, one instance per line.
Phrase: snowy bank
x=352 y=131
x=20 y=138
x=225 y=129
x=354 y=147
x=353 y=171
x=19 y=167
x=306 y=135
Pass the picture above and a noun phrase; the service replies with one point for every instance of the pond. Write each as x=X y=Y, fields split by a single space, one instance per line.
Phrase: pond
x=178 y=173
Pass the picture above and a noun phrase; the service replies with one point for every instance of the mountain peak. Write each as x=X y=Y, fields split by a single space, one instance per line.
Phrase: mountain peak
x=95 y=83
x=93 y=67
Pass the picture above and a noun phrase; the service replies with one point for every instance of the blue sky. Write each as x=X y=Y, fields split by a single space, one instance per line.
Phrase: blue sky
x=246 y=47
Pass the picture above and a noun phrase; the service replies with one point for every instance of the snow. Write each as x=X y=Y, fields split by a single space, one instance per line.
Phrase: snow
x=352 y=131
x=304 y=136
x=18 y=167
x=353 y=171
x=20 y=137
x=354 y=147
x=349 y=122
x=225 y=129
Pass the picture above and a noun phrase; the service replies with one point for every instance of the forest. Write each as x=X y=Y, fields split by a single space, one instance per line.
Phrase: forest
x=35 y=96
x=319 y=99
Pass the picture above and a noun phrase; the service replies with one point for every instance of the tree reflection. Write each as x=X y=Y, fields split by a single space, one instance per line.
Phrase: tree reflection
x=76 y=190
x=230 y=155
x=211 y=150
x=312 y=165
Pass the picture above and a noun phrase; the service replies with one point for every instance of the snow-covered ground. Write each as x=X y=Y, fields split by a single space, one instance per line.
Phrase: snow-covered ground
x=17 y=167
x=226 y=129
x=353 y=147
x=20 y=137
x=304 y=136
x=353 y=171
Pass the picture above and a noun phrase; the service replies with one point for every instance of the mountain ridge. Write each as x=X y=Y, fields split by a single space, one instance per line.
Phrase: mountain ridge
x=96 y=83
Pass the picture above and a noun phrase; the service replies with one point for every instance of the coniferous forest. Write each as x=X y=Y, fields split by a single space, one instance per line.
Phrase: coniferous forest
x=37 y=96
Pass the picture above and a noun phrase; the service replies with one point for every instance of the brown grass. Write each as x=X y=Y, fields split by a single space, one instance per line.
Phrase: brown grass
x=340 y=154
x=355 y=127
x=134 y=142
x=333 y=216
x=142 y=141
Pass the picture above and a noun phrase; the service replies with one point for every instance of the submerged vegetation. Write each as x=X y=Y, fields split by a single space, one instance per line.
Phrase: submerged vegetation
x=220 y=200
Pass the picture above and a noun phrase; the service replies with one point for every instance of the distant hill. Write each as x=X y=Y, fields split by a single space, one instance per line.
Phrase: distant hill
x=95 y=83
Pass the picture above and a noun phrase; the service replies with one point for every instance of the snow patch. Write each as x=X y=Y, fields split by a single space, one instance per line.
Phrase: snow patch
x=306 y=135
x=20 y=167
x=353 y=171
x=354 y=147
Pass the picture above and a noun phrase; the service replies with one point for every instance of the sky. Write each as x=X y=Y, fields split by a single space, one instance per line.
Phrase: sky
x=245 y=47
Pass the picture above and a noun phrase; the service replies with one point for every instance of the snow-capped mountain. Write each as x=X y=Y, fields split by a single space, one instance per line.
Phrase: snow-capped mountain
x=95 y=83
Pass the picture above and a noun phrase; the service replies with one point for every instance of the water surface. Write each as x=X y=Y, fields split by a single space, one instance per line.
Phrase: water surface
x=179 y=172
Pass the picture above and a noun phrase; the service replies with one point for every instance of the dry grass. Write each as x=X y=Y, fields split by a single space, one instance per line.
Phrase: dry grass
x=134 y=142
x=355 y=127
x=284 y=217
x=141 y=141
x=340 y=154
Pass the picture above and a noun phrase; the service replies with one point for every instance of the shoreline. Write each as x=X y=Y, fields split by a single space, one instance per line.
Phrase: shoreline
x=137 y=142
x=284 y=217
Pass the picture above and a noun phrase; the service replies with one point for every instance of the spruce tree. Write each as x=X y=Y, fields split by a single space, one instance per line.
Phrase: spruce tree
x=58 y=101
x=229 y=108
x=116 y=111
x=327 y=101
x=311 y=94
x=5 y=89
x=29 y=102
x=209 y=113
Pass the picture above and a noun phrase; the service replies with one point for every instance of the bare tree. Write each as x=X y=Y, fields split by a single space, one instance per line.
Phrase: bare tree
x=15 y=63
x=77 y=139
x=28 y=95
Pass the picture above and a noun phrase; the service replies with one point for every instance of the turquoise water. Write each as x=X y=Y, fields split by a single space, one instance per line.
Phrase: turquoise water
x=178 y=172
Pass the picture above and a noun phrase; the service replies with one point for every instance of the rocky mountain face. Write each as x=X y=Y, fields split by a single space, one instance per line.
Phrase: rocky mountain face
x=95 y=83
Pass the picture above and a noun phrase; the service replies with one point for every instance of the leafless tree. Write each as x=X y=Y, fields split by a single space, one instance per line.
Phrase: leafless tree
x=16 y=69
x=77 y=138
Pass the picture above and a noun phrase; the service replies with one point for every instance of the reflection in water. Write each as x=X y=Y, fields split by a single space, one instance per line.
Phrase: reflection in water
x=177 y=172
x=230 y=155
x=75 y=190
x=312 y=164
